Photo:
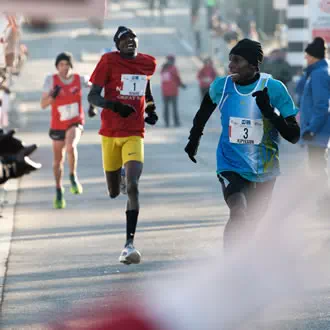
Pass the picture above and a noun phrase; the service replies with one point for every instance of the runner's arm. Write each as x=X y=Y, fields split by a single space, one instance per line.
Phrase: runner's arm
x=202 y=116
x=95 y=98
x=48 y=89
x=283 y=118
x=46 y=100
x=287 y=127
x=149 y=97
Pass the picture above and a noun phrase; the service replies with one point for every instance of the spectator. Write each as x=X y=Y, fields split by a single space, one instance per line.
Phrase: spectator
x=170 y=83
x=314 y=107
x=244 y=20
x=206 y=75
x=196 y=25
x=276 y=65
x=210 y=6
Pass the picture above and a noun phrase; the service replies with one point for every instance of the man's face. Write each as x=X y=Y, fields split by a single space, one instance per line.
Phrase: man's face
x=63 y=68
x=128 y=44
x=310 y=59
x=240 y=69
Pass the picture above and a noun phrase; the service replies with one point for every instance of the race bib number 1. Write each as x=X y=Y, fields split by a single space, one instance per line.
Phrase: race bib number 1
x=133 y=85
x=68 y=111
x=245 y=131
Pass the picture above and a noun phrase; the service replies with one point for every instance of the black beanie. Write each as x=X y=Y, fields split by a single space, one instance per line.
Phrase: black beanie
x=317 y=48
x=64 y=57
x=122 y=30
x=250 y=50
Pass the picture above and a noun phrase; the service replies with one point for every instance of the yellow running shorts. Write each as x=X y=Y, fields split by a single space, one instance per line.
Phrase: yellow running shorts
x=117 y=151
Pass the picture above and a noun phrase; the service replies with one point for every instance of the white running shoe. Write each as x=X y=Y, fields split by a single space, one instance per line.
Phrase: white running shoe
x=130 y=255
x=123 y=188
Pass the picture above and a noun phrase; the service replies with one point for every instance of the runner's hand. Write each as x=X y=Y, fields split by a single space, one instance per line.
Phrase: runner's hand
x=92 y=111
x=152 y=117
x=54 y=93
x=191 y=149
x=263 y=102
x=124 y=110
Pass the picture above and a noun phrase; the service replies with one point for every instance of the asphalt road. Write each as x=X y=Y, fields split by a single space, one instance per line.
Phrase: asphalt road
x=61 y=259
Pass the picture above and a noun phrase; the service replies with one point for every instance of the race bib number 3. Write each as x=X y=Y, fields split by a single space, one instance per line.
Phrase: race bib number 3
x=245 y=131
x=133 y=85
x=68 y=111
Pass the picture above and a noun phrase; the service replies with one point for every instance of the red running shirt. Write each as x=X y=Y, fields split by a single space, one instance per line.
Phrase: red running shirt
x=124 y=80
x=67 y=107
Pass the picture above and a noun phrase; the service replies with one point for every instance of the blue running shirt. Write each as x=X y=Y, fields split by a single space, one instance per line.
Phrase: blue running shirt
x=248 y=143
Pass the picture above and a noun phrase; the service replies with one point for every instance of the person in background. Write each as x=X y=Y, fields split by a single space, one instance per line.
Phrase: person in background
x=63 y=92
x=314 y=114
x=276 y=65
x=206 y=75
x=170 y=84
x=196 y=24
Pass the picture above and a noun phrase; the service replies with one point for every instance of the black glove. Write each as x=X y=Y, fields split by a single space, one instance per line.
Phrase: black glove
x=124 y=110
x=92 y=111
x=308 y=136
x=263 y=102
x=54 y=93
x=152 y=117
x=192 y=147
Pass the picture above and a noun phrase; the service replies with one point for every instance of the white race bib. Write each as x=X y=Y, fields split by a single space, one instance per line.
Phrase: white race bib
x=133 y=85
x=245 y=131
x=68 y=111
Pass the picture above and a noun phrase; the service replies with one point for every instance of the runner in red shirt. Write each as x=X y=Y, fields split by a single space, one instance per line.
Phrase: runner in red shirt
x=125 y=76
x=63 y=92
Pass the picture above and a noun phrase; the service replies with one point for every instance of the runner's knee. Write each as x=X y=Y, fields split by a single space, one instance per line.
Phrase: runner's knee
x=58 y=164
x=237 y=204
x=70 y=148
x=132 y=187
x=58 y=161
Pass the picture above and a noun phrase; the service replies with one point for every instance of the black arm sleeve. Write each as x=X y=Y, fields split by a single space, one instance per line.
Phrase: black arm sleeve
x=95 y=98
x=149 y=97
x=202 y=116
x=287 y=127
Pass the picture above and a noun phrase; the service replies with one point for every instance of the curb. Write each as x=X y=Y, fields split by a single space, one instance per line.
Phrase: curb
x=9 y=202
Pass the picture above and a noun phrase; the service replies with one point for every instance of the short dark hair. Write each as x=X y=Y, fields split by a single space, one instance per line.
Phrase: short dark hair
x=65 y=56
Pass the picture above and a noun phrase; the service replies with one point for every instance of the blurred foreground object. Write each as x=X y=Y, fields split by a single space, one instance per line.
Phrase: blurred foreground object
x=52 y=8
x=14 y=157
x=230 y=291
x=37 y=22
